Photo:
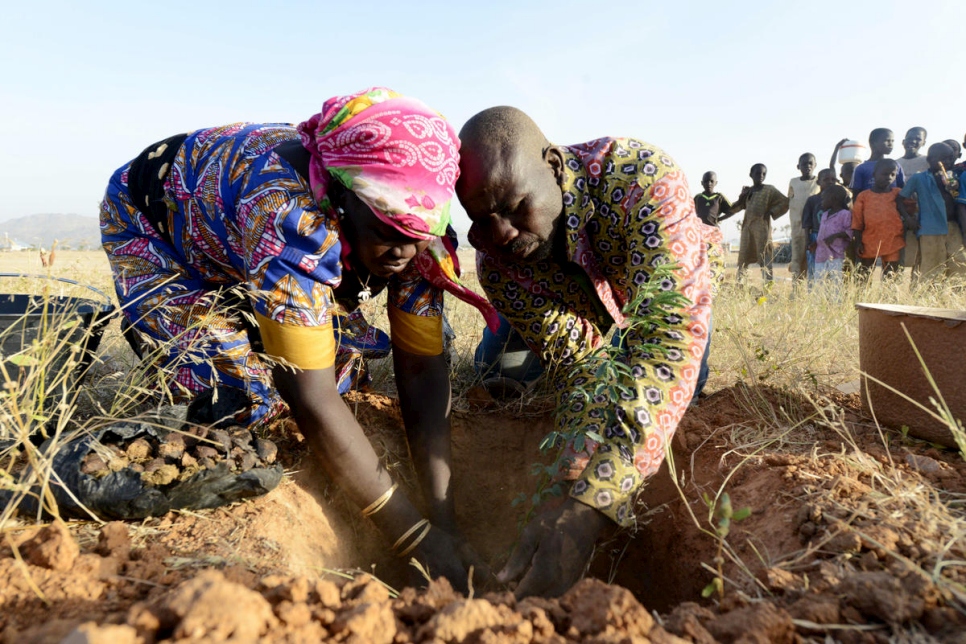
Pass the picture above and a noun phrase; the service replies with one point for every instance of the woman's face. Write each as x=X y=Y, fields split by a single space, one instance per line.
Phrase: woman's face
x=383 y=250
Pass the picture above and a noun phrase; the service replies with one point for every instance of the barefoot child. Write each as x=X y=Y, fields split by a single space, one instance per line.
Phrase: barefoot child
x=877 y=227
x=761 y=202
x=811 y=217
x=911 y=162
x=931 y=225
x=799 y=190
x=834 y=234
x=712 y=207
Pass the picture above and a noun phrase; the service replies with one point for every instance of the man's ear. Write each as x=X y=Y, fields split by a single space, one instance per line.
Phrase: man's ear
x=553 y=156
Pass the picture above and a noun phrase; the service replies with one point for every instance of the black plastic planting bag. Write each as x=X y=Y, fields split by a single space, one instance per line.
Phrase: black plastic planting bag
x=126 y=494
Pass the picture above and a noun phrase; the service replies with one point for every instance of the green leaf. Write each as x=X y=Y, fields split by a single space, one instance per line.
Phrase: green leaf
x=594 y=436
x=24 y=360
x=712 y=588
x=741 y=513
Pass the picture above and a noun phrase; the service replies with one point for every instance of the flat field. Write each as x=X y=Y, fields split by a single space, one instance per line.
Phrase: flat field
x=840 y=529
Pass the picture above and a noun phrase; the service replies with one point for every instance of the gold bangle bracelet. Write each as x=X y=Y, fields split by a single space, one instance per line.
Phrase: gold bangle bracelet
x=379 y=503
x=401 y=540
x=417 y=540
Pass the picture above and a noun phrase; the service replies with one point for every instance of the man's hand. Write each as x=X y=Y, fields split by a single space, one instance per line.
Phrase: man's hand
x=554 y=549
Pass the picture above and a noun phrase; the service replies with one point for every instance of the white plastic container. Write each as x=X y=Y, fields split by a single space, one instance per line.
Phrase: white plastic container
x=853 y=152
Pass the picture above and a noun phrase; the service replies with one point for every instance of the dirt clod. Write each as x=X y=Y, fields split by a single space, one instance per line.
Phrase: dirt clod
x=139 y=450
x=209 y=607
x=366 y=623
x=52 y=547
x=114 y=540
x=266 y=450
x=599 y=609
x=758 y=623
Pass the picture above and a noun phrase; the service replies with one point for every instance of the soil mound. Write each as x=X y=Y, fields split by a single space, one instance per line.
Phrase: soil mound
x=853 y=536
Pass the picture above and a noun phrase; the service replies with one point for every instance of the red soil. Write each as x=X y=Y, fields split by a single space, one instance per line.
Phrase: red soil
x=824 y=553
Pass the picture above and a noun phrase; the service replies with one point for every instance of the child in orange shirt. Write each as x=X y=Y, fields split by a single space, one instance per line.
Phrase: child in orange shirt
x=877 y=226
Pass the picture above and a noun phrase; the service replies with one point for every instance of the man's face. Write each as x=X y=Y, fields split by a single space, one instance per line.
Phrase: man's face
x=514 y=202
x=758 y=174
x=884 y=144
x=913 y=141
x=709 y=181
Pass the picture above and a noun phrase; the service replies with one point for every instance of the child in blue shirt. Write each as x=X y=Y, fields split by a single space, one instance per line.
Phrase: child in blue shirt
x=931 y=225
x=880 y=142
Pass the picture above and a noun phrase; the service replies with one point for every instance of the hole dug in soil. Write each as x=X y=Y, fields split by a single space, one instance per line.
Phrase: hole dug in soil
x=836 y=545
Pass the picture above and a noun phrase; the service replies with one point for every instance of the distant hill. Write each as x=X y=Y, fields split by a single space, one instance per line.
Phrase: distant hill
x=71 y=231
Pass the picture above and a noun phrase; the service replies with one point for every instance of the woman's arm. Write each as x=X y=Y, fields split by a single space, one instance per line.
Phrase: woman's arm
x=424 y=396
x=340 y=446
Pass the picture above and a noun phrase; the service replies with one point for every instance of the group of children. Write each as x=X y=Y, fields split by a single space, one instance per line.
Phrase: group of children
x=903 y=212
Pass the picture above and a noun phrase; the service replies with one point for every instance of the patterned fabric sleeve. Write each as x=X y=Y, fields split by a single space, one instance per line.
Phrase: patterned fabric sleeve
x=416 y=313
x=547 y=306
x=663 y=361
x=292 y=250
x=558 y=316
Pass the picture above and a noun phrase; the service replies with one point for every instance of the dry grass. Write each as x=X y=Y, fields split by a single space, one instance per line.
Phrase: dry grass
x=803 y=342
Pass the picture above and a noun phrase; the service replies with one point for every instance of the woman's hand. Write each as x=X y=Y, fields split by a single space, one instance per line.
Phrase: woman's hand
x=441 y=555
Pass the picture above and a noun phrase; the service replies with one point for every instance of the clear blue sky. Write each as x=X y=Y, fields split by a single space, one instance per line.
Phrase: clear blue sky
x=719 y=85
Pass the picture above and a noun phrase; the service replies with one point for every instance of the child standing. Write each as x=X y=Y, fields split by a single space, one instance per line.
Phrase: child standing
x=880 y=141
x=848 y=167
x=877 y=226
x=811 y=218
x=912 y=162
x=834 y=234
x=931 y=225
x=712 y=207
x=799 y=190
x=761 y=202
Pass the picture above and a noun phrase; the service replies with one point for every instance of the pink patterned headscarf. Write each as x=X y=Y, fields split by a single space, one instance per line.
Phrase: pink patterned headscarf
x=401 y=158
